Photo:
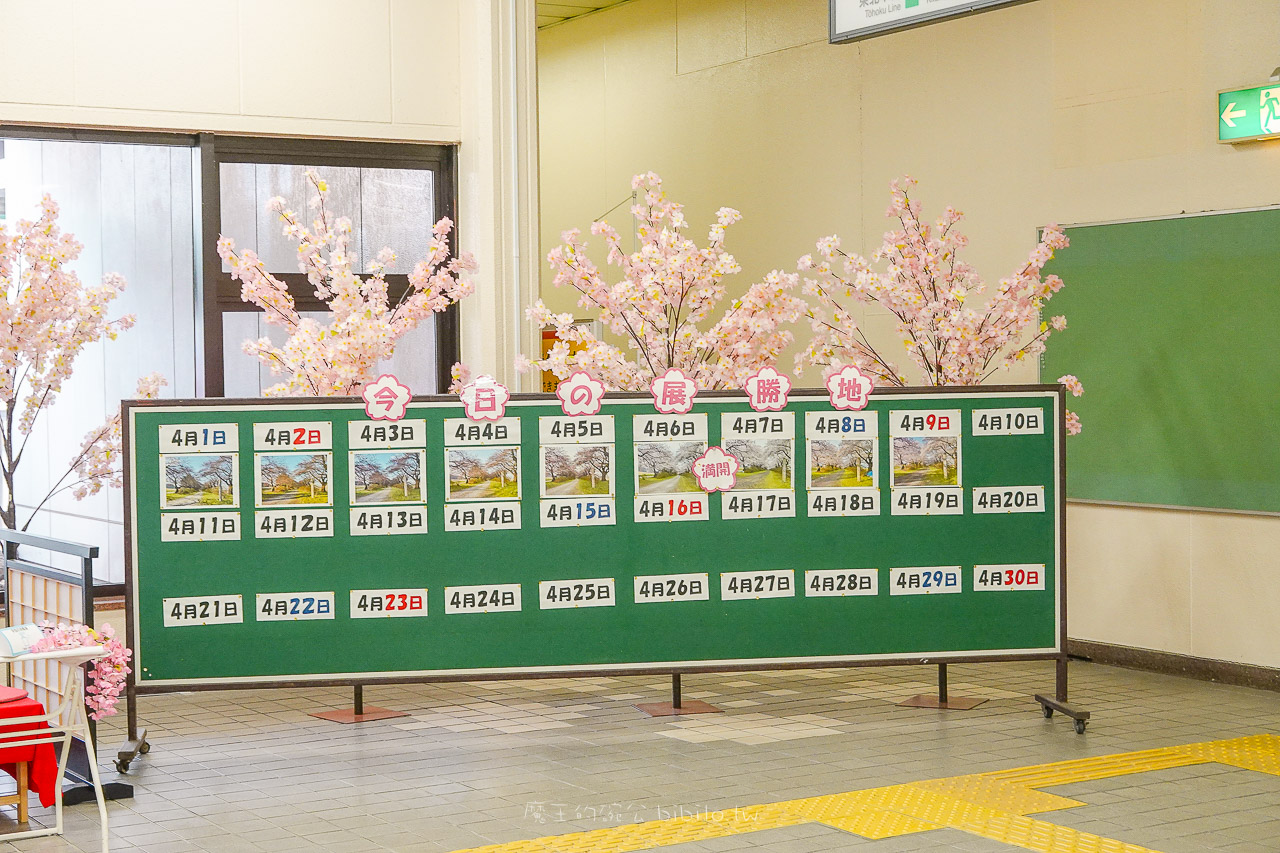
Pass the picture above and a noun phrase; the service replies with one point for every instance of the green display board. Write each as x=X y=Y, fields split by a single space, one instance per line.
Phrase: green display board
x=287 y=541
x=1171 y=330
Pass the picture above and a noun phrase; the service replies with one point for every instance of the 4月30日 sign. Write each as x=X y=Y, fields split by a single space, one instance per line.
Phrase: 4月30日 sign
x=858 y=19
x=1248 y=114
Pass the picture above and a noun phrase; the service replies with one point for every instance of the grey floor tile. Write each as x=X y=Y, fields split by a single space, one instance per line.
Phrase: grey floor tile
x=490 y=762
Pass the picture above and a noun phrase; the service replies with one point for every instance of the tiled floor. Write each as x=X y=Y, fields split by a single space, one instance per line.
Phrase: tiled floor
x=494 y=762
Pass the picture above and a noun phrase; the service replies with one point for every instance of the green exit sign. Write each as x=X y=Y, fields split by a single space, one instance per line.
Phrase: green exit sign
x=1248 y=114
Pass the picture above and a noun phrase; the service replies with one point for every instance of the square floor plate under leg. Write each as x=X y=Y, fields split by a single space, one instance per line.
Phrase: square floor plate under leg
x=666 y=709
x=953 y=703
x=348 y=715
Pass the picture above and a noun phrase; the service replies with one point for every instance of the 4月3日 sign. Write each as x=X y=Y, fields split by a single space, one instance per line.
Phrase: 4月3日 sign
x=1248 y=114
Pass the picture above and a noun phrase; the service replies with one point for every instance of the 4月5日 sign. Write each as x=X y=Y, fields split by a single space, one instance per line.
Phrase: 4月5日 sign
x=1248 y=114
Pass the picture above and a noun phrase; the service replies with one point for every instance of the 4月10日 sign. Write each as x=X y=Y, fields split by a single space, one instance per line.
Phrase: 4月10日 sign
x=1245 y=115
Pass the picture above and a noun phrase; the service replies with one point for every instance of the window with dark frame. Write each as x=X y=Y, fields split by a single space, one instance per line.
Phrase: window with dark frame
x=381 y=172
x=393 y=193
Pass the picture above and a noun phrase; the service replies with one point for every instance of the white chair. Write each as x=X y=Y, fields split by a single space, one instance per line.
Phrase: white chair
x=60 y=724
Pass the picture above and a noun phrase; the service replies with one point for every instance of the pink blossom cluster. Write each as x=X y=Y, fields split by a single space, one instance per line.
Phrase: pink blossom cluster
x=930 y=291
x=47 y=317
x=108 y=673
x=97 y=464
x=1072 y=384
x=336 y=359
x=663 y=303
x=461 y=375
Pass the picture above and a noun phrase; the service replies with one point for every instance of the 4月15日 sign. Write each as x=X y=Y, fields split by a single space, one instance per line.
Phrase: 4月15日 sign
x=1248 y=114
x=858 y=19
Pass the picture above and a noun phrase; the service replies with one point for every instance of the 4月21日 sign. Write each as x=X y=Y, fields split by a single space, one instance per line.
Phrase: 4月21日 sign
x=1248 y=114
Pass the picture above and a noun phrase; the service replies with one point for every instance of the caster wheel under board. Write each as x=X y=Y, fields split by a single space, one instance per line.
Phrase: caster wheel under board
x=122 y=766
x=1080 y=724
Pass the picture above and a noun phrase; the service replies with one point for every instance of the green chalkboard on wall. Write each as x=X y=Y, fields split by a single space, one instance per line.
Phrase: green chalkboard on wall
x=1173 y=331
x=294 y=540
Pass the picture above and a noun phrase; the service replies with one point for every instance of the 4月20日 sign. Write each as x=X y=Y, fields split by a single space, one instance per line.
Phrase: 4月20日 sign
x=857 y=19
x=1248 y=114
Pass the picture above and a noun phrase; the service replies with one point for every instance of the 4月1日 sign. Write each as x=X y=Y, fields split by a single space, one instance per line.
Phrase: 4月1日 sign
x=1248 y=114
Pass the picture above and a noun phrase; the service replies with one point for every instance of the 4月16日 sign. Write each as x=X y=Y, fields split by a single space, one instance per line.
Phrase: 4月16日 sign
x=858 y=19
x=1248 y=114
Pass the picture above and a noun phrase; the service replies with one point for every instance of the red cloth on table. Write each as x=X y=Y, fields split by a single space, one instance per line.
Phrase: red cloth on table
x=43 y=775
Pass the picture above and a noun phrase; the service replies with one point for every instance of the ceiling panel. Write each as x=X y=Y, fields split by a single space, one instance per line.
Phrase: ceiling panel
x=552 y=13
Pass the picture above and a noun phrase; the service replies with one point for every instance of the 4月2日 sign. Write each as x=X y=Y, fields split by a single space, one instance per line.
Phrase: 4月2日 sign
x=1248 y=114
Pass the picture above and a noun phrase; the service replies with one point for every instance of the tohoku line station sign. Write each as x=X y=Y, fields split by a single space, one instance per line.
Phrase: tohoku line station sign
x=1248 y=114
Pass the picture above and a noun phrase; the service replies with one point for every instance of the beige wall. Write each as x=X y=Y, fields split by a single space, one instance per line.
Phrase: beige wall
x=1051 y=111
x=380 y=68
x=449 y=71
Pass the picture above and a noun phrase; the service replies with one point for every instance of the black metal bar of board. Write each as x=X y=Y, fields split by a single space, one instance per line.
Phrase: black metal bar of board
x=136 y=739
x=942 y=683
x=130 y=618
x=1051 y=704
x=1061 y=674
x=675 y=691
x=145 y=688
x=358 y=703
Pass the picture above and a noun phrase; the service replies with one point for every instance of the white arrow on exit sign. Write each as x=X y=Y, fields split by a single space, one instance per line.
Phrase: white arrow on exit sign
x=1230 y=114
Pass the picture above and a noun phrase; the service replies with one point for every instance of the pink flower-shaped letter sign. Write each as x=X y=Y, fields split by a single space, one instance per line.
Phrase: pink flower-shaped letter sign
x=673 y=392
x=716 y=470
x=767 y=390
x=386 y=398
x=849 y=388
x=580 y=394
x=485 y=399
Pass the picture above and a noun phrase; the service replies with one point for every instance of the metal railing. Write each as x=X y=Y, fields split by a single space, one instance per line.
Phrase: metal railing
x=37 y=592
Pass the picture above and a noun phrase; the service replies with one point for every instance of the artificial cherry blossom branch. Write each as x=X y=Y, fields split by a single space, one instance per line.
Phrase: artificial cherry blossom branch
x=338 y=358
x=928 y=289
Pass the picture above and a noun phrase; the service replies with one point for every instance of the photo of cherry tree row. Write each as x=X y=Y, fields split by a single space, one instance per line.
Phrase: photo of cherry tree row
x=198 y=480
x=569 y=470
x=483 y=473
x=381 y=477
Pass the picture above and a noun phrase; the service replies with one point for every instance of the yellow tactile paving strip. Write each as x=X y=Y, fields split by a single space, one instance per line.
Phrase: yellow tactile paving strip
x=992 y=805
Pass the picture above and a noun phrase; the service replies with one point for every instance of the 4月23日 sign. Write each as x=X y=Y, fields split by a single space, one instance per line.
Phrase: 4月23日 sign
x=857 y=19
x=1248 y=114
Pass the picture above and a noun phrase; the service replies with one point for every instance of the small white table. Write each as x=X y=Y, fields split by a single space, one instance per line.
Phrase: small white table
x=49 y=728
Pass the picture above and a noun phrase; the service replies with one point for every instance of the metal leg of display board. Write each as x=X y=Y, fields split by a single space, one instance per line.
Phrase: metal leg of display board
x=137 y=743
x=943 y=700
x=1058 y=702
x=677 y=705
x=359 y=712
